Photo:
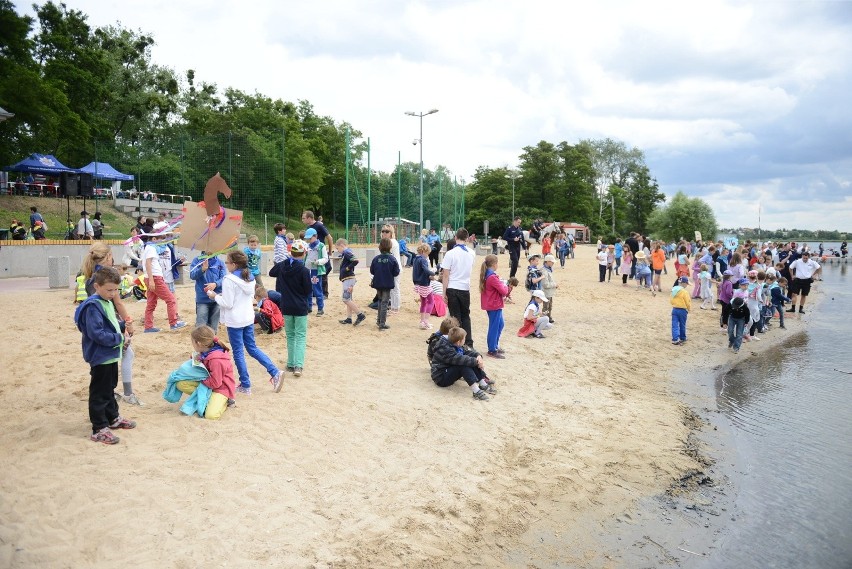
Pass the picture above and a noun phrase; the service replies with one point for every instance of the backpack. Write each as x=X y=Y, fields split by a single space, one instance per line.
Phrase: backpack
x=529 y=284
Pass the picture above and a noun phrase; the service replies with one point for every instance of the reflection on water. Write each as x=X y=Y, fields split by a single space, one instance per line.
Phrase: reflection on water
x=793 y=425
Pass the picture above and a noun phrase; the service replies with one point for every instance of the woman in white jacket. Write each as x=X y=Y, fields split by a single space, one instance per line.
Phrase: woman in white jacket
x=237 y=314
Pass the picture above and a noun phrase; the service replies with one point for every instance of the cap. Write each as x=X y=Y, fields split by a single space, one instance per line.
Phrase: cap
x=539 y=294
x=742 y=282
x=299 y=246
x=550 y=258
x=684 y=279
x=311 y=232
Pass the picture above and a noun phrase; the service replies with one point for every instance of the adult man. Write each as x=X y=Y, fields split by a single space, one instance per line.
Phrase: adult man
x=457 y=265
x=632 y=243
x=514 y=238
x=84 y=226
x=802 y=271
x=323 y=236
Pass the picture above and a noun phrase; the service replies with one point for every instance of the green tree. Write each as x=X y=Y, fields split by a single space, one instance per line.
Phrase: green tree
x=539 y=183
x=578 y=180
x=642 y=196
x=681 y=218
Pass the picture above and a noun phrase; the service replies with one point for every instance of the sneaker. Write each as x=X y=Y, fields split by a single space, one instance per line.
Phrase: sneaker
x=538 y=335
x=480 y=395
x=755 y=338
x=297 y=371
x=232 y=402
x=151 y=330
x=105 y=436
x=244 y=390
x=497 y=355
x=384 y=327
x=676 y=342
x=291 y=369
x=489 y=389
x=320 y=312
x=501 y=351
x=373 y=305
x=488 y=380
x=178 y=325
x=783 y=327
x=360 y=318
x=346 y=321
x=277 y=381
x=736 y=350
x=132 y=400
x=122 y=423
x=424 y=326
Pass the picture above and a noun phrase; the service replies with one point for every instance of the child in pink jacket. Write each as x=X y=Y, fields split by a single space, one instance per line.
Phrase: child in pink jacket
x=493 y=291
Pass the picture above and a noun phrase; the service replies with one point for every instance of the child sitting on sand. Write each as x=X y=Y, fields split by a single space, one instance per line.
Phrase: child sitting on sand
x=450 y=363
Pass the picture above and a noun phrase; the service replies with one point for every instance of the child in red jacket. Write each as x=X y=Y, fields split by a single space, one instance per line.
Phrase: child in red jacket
x=214 y=354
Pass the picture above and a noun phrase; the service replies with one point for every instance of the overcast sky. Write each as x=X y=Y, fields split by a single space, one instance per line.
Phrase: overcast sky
x=739 y=103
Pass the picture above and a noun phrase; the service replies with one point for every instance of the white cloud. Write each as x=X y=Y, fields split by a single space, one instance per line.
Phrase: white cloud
x=739 y=99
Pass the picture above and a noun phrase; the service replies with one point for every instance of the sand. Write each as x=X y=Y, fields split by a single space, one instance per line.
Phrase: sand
x=362 y=461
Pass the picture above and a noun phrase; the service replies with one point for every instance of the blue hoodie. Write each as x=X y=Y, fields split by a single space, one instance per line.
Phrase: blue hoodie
x=102 y=334
x=214 y=274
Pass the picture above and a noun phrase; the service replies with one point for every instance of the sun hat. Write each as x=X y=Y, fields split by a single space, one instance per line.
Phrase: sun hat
x=752 y=273
x=535 y=255
x=298 y=246
x=640 y=254
x=311 y=232
x=539 y=294
x=550 y=258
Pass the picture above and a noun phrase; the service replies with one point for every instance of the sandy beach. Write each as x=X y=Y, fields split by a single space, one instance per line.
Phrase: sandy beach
x=362 y=461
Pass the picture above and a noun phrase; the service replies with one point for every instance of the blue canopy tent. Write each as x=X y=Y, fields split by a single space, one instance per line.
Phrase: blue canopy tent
x=41 y=164
x=103 y=171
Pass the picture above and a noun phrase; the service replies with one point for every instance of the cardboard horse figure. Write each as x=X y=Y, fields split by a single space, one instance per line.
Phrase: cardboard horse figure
x=207 y=225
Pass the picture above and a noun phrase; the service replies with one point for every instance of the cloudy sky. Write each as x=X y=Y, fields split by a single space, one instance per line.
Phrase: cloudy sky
x=745 y=104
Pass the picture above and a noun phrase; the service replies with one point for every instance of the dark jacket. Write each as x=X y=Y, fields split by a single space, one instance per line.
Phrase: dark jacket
x=347 y=265
x=509 y=236
x=384 y=268
x=777 y=296
x=432 y=341
x=214 y=274
x=293 y=282
x=101 y=341
x=421 y=273
x=445 y=355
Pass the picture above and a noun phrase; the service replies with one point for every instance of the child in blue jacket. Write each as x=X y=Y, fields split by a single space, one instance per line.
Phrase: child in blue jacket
x=207 y=272
x=384 y=269
x=103 y=341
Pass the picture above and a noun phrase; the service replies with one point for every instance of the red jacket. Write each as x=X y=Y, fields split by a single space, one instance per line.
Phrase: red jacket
x=494 y=292
x=221 y=380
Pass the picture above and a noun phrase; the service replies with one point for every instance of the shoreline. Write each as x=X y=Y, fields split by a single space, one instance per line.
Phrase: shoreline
x=362 y=460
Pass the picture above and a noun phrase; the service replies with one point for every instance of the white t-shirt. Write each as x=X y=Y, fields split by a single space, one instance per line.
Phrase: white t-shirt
x=804 y=270
x=150 y=252
x=602 y=258
x=532 y=311
x=459 y=262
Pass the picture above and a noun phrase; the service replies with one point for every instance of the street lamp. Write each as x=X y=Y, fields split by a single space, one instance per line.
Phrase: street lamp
x=513 y=176
x=420 y=141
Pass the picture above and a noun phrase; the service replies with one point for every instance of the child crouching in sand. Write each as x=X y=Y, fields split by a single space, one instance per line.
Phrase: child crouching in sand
x=534 y=322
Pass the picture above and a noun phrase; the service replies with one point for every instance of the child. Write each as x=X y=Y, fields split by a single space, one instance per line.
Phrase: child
x=754 y=300
x=446 y=325
x=155 y=281
x=706 y=288
x=619 y=252
x=422 y=276
x=626 y=264
x=492 y=291
x=212 y=353
x=726 y=293
x=546 y=245
x=643 y=272
x=534 y=322
x=253 y=255
x=603 y=263
x=280 y=249
x=315 y=260
x=610 y=261
x=681 y=304
x=534 y=276
x=658 y=265
x=384 y=269
x=103 y=340
x=776 y=292
x=235 y=302
x=511 y=284
x=561 y=245
x=439 y=305
x=549 y=286
x=207 y=272
x=696 y=270
x=450 y=363
x=347 y=278
x=293 y=283
x=268 y=315
x=739 y=316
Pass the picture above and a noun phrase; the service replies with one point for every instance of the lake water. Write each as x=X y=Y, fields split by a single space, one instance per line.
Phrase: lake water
x=791 y=417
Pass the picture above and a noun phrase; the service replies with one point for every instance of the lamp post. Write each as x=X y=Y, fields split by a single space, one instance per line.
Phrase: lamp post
x=513 y=176
x=420 y=141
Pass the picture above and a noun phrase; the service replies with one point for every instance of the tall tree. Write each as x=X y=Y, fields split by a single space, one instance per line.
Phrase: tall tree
x=578 y=180
x=615 y=165
x=643 y=194
x=539 y=183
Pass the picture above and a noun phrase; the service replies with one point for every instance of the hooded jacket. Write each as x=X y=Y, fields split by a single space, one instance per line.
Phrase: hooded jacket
x=236 y=301
x=445 y=355
x=293 y=283
x=102 y=338
x=221 y=379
